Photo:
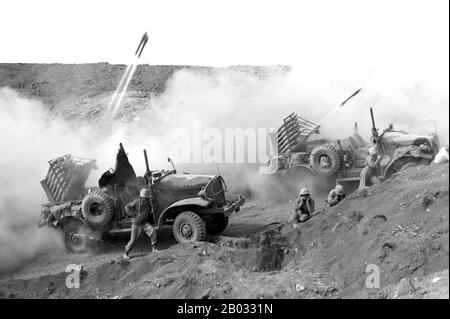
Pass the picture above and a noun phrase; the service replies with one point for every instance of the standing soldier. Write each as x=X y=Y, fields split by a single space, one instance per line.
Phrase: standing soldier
x=303 y=208
x=141 y=209
x=371 y=170
x=335 y=196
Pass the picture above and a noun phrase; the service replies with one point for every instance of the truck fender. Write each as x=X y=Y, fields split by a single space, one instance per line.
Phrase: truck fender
x=396 y=164
x=194 y=201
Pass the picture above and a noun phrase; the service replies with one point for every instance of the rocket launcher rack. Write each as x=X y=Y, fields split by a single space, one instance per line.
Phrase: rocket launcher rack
x=286 y=137
x=66 y=178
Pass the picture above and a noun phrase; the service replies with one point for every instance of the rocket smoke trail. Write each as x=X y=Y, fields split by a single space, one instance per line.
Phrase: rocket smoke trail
x=118 y=89
x=127 y=82
x=338 y=107
x=118 y=95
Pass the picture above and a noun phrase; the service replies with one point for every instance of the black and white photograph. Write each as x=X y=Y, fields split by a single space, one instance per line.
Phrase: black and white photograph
x=225 y=155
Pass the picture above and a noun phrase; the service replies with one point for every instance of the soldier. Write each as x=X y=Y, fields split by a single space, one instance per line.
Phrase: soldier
x=142 y=211
x=303 y=208
x=442 y=156
x=335 y=196
x=370 y=171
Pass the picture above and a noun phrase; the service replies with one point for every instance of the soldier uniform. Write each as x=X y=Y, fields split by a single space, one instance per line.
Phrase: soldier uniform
x=304 y=207
x=143 y=220
x=335 y=196
x=441 y=156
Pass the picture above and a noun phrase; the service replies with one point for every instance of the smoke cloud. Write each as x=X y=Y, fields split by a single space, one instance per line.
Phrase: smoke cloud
x=30 y=136
x=414 y=101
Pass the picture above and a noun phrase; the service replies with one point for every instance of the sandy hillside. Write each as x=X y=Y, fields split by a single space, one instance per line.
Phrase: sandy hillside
x=402 y=227
x=71 y=90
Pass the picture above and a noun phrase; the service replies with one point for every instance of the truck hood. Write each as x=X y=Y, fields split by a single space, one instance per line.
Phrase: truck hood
x=405 y=139
x=180 y=186
x=186 y=181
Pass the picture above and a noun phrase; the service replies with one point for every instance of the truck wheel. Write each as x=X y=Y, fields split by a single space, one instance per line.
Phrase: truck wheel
x=98 y=210
x=325 y=160
x=76 y=236
x=216 y=224
x=188 y=227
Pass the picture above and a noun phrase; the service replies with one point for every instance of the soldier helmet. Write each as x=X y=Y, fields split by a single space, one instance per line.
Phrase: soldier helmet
x=145 y=192
x=304 y=191
x=373 y=151
x=339 y=189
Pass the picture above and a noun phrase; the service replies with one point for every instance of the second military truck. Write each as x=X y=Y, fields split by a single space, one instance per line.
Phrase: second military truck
x=341 y=161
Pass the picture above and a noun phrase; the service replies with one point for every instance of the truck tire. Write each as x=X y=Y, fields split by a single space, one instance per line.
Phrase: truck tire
x=98 y=210
x=216 y=224
x=333 y=155
x=76 y=236
x=188 y=227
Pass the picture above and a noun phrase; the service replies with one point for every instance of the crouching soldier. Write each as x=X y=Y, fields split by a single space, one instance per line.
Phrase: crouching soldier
x=141 y=210
x=303 y=209
x=335 y=196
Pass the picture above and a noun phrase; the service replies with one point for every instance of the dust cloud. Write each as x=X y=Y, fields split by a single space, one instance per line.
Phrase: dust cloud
x=30 y=136
x=27 y=137
x=413 y=101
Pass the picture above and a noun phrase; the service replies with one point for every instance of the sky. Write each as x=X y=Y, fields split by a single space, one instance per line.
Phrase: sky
x=218 y=33
x=385 y=46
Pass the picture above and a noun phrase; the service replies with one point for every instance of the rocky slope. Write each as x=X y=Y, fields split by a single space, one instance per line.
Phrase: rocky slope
x=402 y=227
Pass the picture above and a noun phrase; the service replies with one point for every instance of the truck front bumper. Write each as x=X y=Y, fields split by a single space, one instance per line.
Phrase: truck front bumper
x=227 y=209
x=234 y=206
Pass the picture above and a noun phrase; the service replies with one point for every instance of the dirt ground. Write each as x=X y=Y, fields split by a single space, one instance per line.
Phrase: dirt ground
x=401 y=227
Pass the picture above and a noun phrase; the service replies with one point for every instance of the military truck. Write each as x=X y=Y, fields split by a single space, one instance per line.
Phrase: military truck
x=290 y=165
x=399 y=150
x=193 y=204
x=341 y=161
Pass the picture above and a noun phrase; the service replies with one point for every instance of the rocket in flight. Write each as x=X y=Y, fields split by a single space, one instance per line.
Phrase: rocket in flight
x=141 y=45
